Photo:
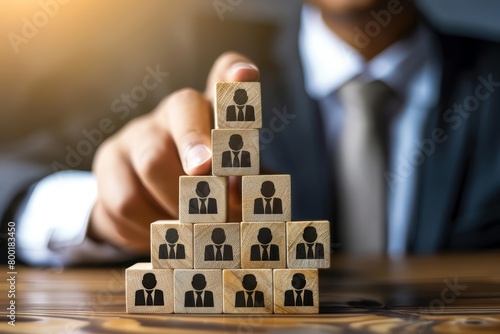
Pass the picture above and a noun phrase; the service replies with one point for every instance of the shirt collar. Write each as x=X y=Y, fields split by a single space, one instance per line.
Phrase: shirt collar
x=329 y=62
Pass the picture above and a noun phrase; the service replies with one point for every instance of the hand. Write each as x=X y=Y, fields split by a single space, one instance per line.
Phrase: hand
x=138 y=168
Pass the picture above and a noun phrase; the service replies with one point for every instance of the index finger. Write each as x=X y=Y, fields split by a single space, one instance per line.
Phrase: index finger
x=230 y=67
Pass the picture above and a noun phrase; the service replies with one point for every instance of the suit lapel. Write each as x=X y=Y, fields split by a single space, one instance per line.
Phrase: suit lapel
x=439 y=178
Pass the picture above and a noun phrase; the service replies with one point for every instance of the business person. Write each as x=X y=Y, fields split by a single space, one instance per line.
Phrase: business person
x=241 y=112
x=199 y=297
x=172 y=249
x=249 y=297
x=310 y=249
x=202 y=204
x=298 y=296
x=432 y=181
x=264 y=250
x=218 y=251
x=149 y=296
x=236 y=157
x=273 y=205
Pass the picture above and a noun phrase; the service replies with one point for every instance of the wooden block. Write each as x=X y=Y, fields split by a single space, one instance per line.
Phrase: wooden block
x=296 y=291
x=248 y=291
x=202 y=199
x=263 y=245
x=149 y=290
x=308 y=244
x=171 y=244
x=238 y=105
x=198 y=291
x=266 y=198
x=217 y=246
x=235 y=152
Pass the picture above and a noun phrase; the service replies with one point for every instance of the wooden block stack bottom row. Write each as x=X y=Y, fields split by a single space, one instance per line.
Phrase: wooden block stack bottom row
x=204 y=264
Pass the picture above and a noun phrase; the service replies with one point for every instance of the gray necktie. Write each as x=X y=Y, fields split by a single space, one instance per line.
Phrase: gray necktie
x=362 y=166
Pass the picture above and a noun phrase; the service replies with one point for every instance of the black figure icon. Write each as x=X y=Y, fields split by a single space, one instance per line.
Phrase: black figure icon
x=315 y=250
x=218 y=251
x=171 y=250
x=249 y=297
x=265 y=251
x=204 y=298
x=272 y=204
x=202 y=204
x=149 y=296
x=299 y=296
x=236 y=157
x=245 y=112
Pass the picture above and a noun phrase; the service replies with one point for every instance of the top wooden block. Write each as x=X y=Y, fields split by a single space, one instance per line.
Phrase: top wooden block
x=238 y=105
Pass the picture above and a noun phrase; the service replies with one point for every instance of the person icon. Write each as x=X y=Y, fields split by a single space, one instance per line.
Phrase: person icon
x=236 y=157
x=204 y=298
x=272 y=205
x=315 y=250
x=240 y=112
x=299 y=296
x=265 y=251
x=249 y=297
x=218 y=251
x=149 y=296
x=202 y=204
x=171 y=250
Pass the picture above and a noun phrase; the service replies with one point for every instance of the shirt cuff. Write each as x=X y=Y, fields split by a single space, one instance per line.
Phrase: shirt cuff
x=53 y=221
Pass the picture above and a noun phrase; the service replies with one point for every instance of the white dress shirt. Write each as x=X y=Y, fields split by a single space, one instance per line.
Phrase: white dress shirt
x=53 y=223
x=410 y=67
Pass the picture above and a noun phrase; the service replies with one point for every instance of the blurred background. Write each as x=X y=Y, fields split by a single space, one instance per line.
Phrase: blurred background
x=68 y=61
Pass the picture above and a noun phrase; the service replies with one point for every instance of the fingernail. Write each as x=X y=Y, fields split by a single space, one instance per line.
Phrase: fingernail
x=196 y=155
x=243 y=66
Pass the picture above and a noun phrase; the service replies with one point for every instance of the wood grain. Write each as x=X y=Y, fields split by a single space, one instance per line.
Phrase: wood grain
x=285 y=295
x=223 y=154
x=317 y=234
x=236 y=296
x=251 y=247
x=258 y=190
x=225 y=105
x=137 y=278
x=185 y=286
x=160 y=247
x=212 y=190
x=360 y=295
x=205 y=246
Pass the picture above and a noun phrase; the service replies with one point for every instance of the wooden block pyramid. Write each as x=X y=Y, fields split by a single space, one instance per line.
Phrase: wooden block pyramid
x=204 y=264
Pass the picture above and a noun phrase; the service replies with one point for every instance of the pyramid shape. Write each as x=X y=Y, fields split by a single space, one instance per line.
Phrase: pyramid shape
x=204 y=264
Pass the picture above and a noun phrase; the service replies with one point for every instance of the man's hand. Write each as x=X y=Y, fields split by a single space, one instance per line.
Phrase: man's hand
x=138 y=168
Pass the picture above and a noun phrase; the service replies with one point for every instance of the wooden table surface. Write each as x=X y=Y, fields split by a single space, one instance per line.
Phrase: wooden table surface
x=456 y=293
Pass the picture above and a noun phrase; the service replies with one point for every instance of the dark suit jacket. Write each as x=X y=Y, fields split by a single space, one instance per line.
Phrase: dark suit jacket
x=256 y=253
x=457 y=200
x=232 y=114
x=227 y=253
x=259 y=206
x=307 y=298
x=163 y=251
x=190 y=300
x=301 y=251
x=241 y=299
x=140 y=298
x=244 y=156
x=194 y=206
